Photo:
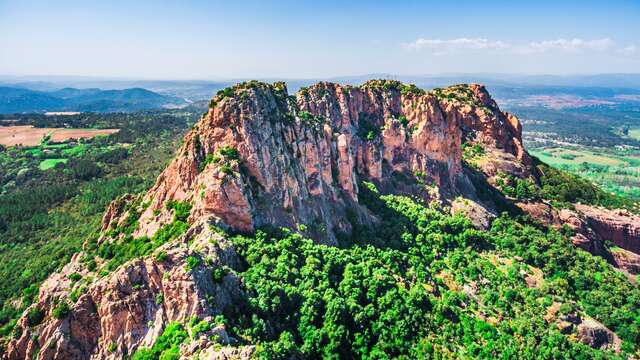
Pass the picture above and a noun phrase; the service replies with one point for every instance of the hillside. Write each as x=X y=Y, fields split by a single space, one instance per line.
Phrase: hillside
x=372 y=221
x=18 y=100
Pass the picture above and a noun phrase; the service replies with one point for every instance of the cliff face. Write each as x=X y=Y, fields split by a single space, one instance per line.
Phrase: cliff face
x=260 y=157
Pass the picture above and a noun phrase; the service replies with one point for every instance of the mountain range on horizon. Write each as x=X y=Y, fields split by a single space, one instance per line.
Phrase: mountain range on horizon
x=21 y=99
x=75 y=93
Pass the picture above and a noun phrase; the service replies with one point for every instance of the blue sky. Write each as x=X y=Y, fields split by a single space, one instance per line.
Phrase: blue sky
x=298 y=39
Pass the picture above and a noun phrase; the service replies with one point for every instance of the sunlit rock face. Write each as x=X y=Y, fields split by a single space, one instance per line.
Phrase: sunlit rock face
x=262 y=157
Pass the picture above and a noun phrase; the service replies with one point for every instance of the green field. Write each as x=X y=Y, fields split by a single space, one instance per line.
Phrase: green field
x=564 y=156
x=51 y=163
x=634 y=133
x=614 y=170
x=77 y=150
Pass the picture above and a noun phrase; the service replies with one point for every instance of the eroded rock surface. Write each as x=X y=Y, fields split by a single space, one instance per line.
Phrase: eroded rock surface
x=130 y=307
x=260 y=157
x=620 y=227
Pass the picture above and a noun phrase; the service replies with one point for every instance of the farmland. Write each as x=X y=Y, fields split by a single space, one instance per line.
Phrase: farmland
x=28 y=135
x=614 y=170
x=634 y=133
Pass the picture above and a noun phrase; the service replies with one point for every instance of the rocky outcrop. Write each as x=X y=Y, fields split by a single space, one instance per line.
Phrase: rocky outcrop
x=611 y=234
x=130 y=307
x=585 y=237
x=478 y=214
x=593 y=333
x=626 y=260
x=483 y=122
x=540 y=211
x=583 y=328
x=620 y=227
x=261 y=157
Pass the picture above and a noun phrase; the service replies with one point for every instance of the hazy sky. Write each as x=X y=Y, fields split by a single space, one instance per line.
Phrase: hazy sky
x=227 y=39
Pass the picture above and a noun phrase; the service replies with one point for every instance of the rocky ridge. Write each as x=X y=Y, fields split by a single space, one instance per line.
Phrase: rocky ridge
x=260 y=157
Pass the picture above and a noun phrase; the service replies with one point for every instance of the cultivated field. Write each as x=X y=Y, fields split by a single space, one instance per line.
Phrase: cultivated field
x=28 y=135
x=634 y=133
x=616 y=170
x=564 y=156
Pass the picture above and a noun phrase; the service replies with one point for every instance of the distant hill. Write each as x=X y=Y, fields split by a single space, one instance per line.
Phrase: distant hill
x=16 y=100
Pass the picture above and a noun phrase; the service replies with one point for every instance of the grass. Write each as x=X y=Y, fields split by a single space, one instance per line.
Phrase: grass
x=51 y=163
x=634 y=133
x=75 y=150
x=55 y=146
x=614 y=170
x=565 y=156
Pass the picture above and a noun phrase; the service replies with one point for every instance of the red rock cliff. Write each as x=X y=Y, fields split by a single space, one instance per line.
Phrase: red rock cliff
x=261 y=157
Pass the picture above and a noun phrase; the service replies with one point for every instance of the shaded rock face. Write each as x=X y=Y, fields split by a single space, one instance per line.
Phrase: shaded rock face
x=585 y=237
x=626 y=260
x=300 y=158
x=593 y=333
x=130 y=307
x=618 y=226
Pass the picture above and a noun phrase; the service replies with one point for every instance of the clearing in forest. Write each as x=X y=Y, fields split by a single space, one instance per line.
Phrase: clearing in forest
x=28 y=135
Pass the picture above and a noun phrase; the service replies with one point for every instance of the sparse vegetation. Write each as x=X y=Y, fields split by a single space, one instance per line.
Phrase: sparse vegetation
x=167 y=346
x=367 y=129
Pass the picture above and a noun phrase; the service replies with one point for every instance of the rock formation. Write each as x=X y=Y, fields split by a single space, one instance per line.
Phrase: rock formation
x=261 y=157
x=620 y=227
x=131 y=306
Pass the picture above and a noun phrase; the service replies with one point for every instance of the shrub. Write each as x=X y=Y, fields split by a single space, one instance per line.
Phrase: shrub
x=161 y=256
x=192 y=262
x=210 y=158
x=182 y=209
x=226 y=169
x=403 y=120
x=75 y=294
x=367 y=130
x=217 y=274
x=198 y=327
x=411 y=89
x=229 y=153
x=61 y=310
x=35 y=316
x=75 y=277
x=167 y=346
